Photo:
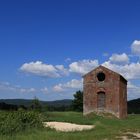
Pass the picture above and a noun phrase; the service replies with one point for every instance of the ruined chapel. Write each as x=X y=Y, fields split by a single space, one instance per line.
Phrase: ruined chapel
x=105 y=91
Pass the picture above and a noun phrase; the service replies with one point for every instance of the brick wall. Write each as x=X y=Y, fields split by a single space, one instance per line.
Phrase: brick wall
x=115 y=88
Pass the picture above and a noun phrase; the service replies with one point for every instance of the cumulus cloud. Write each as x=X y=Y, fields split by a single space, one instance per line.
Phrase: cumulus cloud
x=73 y=84
x=58 y=88
x=61 y=70
x=129 y=71
x=26 y=90
x=41 y=69
x=133 y=91
x=83 y=66
x=119 y=63
x=5 y=86
x=135 y=47
x=119 y=58
x=45 y=90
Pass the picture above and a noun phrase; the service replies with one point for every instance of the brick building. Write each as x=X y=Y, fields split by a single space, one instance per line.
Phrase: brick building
x=105 y=91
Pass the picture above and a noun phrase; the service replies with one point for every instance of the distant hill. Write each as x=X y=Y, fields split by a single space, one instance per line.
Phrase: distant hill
x=134 y=106
x=28 y=103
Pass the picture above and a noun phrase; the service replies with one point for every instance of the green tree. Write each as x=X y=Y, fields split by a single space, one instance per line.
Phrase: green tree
x=77 y=103
x=36 y=105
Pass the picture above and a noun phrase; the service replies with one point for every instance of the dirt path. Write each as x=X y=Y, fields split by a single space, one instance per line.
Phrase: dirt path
x=67 y=127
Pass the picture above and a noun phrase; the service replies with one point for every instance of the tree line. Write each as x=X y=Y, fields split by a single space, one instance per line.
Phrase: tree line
x=76 y=105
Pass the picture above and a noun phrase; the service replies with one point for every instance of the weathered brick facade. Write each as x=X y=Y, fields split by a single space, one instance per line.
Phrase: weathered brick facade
x=105 y=91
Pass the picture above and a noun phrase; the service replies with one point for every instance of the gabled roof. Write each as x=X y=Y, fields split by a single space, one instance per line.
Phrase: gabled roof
x=102 y=67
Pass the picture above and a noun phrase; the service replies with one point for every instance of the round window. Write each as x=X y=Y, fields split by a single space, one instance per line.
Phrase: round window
x=101 y=76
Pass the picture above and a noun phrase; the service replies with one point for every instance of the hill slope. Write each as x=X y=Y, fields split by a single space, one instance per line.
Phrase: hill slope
x=133 y=105
x=27 y=103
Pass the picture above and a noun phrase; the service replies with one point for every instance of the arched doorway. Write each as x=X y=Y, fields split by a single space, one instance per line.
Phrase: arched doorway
x=101 y=101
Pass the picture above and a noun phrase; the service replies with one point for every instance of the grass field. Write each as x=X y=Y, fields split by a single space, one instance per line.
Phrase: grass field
x=105 y=128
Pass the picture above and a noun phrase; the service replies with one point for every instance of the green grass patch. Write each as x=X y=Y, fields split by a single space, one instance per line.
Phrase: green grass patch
x=106 y=128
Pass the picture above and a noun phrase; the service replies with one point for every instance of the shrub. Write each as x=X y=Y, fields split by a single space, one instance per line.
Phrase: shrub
x=11 y=122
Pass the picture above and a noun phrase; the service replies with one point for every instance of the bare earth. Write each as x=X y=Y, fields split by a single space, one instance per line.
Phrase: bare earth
x=130 y=136
x=68 y=127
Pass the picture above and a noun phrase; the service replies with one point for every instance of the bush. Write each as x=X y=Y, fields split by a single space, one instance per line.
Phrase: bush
x=12 y=122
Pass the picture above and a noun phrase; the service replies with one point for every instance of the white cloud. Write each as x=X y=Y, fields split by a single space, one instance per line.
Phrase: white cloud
x=83 y=66
x=58 y=88
x=133 y=91
x=135 y=47
x=62 y=70
x=129 y=71
x=5 y=86
x=41 y=69
x=117 y=62
x=119 y=58
x=26 y=90
x=45 y=90
x=67 y=59
x=73 y=84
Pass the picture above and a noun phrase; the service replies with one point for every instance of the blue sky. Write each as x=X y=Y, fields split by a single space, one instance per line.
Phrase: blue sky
x=46 y=46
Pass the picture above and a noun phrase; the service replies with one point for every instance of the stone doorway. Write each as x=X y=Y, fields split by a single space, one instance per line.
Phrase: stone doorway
x=101 y=101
